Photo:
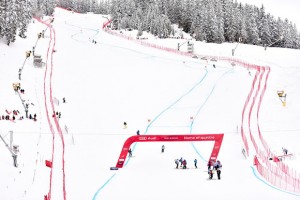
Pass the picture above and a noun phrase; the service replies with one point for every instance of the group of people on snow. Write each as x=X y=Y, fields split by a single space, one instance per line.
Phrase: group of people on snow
x=183 y=163
x=213 y=167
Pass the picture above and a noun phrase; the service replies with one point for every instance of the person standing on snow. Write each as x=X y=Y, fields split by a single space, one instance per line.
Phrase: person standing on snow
x=163 y=148
x=210 y=172
x=177 y=163
x=285 y=151
x=130 y=152
x=195 y=162
x=184 y=163
x=209 y=164
x=180 y=160
x=218 y=168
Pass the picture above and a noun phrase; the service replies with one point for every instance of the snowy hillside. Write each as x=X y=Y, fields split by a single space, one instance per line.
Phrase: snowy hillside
x=119 y=79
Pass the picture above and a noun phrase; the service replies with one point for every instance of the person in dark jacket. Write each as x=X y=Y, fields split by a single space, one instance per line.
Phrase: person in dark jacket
x=210 y=172
x=163 y=148
x=209 y=164
x=130 y=152
x=195 y=163
x=218 y=168
x=180 y=160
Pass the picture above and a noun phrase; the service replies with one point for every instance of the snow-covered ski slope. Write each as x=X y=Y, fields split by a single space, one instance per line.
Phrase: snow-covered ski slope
x=154 y=91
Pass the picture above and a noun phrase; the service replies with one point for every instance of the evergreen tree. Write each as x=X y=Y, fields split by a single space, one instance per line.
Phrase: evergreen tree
x=24 y=17
x=287 y=34
x=227 y=8
x=3 y=12
x=49 y=7
x=210 y=21
x=197 y=28
x=177 y=14
x=11 y=19
x=263 y=27
x=220 y=21
x=251 y=26
x=163 y=26
x=294 y=35
x=242 y=34
x=186 y=16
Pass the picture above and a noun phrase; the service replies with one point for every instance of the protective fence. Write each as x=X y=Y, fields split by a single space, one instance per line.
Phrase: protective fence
x=50 y=104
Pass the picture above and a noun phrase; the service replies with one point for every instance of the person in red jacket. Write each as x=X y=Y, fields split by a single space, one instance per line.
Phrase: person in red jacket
x=184 y=164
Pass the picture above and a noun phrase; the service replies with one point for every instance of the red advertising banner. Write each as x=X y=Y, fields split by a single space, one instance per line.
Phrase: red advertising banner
x=218 y=138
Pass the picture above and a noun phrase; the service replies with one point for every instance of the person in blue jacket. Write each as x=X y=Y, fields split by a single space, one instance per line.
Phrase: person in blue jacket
x=195 y=162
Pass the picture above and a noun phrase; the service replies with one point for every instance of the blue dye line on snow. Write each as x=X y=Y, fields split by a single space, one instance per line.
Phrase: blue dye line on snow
x=191 y=126
x=170 y=106
x=96 y=194
x=200 y=108
x=196 y=85
x=265 y=182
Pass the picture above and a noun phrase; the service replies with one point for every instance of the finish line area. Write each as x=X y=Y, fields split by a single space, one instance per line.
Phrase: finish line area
x=217 y=138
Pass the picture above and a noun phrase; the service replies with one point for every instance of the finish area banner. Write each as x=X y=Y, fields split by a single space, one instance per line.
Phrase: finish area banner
x=218 y=138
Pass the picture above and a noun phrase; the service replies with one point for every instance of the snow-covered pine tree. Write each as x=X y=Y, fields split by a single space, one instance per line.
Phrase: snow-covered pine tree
x=242 y=33
x=11 y=21
x=227 y=8
x=287 y=34
x=38 y=8
x=187 y=15
x=210 y=21
x=176 y=12
x=294 y=35
x=263 y=27
x=197 y=29
x=220 y=21
x=127 y=15
x=49 y=7
x=251 y=26
x=163 y=27
x=24 y=16
x=3 y=13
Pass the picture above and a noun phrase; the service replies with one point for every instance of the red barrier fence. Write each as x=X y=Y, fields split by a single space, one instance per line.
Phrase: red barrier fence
x=48 y=80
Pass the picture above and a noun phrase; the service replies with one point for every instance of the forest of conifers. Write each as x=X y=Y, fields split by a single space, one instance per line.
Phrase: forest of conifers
x=214 y=21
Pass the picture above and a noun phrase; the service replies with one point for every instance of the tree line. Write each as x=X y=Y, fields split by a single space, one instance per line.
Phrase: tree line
x=215 y=21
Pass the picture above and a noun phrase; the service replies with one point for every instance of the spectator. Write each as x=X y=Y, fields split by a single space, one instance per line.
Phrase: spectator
x=177 y=163
x=163 y=148
x=130 y=152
